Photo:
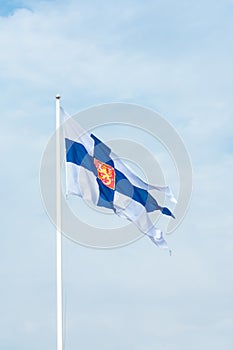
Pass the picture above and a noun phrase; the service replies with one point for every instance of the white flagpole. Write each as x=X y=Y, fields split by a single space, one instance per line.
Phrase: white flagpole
x=58 y=225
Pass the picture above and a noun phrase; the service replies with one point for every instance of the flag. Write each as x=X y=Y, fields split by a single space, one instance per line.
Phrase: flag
x=100 y=177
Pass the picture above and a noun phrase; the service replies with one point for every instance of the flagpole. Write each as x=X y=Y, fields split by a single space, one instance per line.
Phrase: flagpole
x=58 y=229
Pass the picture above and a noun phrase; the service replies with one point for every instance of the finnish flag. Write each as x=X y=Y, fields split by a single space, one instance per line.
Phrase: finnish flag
x=96 y=174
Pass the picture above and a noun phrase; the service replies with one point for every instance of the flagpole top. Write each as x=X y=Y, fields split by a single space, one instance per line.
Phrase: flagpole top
x=58 y=97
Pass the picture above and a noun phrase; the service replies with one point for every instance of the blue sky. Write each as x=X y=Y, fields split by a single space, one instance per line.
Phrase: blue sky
x=173 y=57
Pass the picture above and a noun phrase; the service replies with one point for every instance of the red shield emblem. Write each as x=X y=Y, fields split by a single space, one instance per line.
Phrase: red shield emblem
x=106 y=173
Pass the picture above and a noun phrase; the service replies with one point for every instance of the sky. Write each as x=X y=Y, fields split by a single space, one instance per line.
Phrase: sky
x=174 y=57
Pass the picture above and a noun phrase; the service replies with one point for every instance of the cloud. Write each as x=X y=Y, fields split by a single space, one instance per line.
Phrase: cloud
x=67 y=47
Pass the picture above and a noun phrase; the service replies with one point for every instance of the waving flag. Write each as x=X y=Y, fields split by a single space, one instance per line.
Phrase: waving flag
x=97 y=175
